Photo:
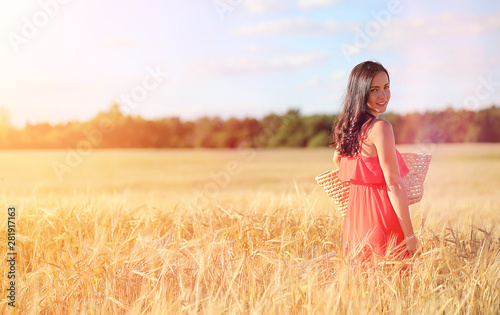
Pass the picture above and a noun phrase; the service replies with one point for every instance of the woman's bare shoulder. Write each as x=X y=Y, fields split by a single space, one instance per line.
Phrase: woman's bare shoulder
x=381 y=125
x=381 y=128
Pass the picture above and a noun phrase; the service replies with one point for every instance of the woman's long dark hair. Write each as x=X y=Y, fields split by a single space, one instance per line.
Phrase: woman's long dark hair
x=346 y=132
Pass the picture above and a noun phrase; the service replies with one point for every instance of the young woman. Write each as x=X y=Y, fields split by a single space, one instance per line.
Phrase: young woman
x=377 y=222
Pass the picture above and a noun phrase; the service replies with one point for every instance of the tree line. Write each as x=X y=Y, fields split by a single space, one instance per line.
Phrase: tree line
x=113 y=129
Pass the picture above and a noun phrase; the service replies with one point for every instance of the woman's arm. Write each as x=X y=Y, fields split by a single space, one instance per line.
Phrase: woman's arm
x=382 y=137
x=336 y=158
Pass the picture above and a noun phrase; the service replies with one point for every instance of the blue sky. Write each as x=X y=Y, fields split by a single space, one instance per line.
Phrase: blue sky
x=67 y=60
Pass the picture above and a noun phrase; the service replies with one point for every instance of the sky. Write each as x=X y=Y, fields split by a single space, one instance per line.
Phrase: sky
x=67 y=60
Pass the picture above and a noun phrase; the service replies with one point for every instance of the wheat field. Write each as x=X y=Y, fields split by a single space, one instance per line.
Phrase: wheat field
x=237 y=231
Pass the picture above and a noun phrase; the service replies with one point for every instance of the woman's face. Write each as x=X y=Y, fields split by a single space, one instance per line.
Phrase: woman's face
x=379 y=94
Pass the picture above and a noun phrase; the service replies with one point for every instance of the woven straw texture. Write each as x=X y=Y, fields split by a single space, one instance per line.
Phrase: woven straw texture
x=418 y=163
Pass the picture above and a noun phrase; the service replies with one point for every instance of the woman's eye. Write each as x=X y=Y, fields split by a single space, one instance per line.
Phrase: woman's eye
x=373 y=90
x=386 y=87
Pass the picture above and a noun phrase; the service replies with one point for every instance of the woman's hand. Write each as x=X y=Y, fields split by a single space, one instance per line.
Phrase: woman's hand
x=412 y=245
x=336 y=158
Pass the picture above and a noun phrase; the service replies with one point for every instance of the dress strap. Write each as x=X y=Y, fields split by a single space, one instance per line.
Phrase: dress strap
x=366 y=128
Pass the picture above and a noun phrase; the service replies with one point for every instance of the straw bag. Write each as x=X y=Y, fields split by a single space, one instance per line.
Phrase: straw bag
x=418 y=163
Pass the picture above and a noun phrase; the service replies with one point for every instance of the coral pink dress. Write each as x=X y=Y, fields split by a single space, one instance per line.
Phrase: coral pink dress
x=371 y=226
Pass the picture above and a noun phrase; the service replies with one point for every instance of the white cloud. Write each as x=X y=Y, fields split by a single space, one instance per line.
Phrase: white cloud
x=118 y=42
x=313 y=4
x=294 y=27
x=312 y=83
x=264 y=6
x=443 y=45
x=338 y=74
x=297 y=61
x=252 y=66
x=273 y=6
x=336 y=81
x=438 y=52
x=419 y=30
